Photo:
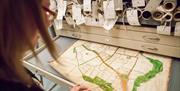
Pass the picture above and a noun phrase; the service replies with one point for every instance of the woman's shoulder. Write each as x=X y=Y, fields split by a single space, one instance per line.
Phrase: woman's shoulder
x=6 y=85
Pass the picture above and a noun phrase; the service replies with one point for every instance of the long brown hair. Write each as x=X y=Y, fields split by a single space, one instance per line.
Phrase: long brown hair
x=16 y=19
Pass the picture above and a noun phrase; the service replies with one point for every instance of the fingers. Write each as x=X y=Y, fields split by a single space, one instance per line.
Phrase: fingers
x=80 y=88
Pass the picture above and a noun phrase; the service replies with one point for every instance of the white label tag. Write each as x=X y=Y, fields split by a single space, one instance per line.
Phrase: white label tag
x=138 y=3
x=61 y=10
x=108 y=24
x=90 y=21
x=132 y=17
x=94 y=9
x=165 y=30
x=152 y=5
x=101 y=19
x=118 y=4
x=87 y=5
x=81 y=20
x=177 y=29
x=109 y=11
x=76 y=14
x=57 y=26
x=69 y=20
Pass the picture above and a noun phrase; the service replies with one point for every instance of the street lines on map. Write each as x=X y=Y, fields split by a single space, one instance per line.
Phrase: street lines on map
x=88 y=60
x=110 y=56
x=75 y=51
x=132 y=67
x=96 y=80
x=121 y=76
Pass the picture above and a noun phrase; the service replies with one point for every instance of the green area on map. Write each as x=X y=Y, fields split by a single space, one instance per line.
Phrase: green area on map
x=157 y=67
x=100 y=82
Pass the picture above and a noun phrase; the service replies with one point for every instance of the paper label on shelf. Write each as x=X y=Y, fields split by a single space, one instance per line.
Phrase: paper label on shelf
x=165 y=30
x=87 y=5
x=118 y=4
x=101 y=19
x=90 y=21
x=76 y=14
x=109 y=11
x=138 y=3
x=99 y=22
x=108 y=24
x=69 y=20
x=177 y=29
x=61 y=10
x=152 y=5
x=132 y=17
x=81 y=20
x=94 y=9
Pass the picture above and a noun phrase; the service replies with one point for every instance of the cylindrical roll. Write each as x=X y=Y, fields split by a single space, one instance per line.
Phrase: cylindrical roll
x=158 y=15
x=160 y=8
x=80 y=1
x=87 y=13
x=139 y=13
x=169 y=5
x=146 y=15
x=177 y=15
x=168 y=17
x=69 y=10
x=127 y=4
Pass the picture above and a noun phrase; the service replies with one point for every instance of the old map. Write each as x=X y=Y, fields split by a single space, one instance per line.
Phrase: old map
x=108 y=68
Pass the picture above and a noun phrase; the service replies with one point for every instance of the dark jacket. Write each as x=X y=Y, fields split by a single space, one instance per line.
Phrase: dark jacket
x=6 y=85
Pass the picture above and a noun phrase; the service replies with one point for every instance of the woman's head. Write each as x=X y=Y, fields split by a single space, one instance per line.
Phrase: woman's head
x=21 y=21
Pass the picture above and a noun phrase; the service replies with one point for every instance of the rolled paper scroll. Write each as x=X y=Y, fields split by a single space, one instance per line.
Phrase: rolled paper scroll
x=146 y=15
x=177 y=14
x=169 y=5
x=152 y=5
x=158 y=15
x=150 y=8
x=168 y=17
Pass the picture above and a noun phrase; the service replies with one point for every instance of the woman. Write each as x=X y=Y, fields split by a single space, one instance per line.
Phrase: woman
x=21 y=21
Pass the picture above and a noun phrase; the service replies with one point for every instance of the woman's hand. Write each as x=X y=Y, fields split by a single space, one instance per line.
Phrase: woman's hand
x=80 y=88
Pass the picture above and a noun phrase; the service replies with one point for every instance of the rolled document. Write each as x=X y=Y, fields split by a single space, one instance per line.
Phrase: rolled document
x=168 y=17
x=132 y=17
x=146 y=15
x=158 y=15
x=152 y=5
x=177 y=14
x=169 y=5
x=79 y=1
x=87 y=13
x=150 y=8
x=161 y=16
x=160 y=8
x=139 y=11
